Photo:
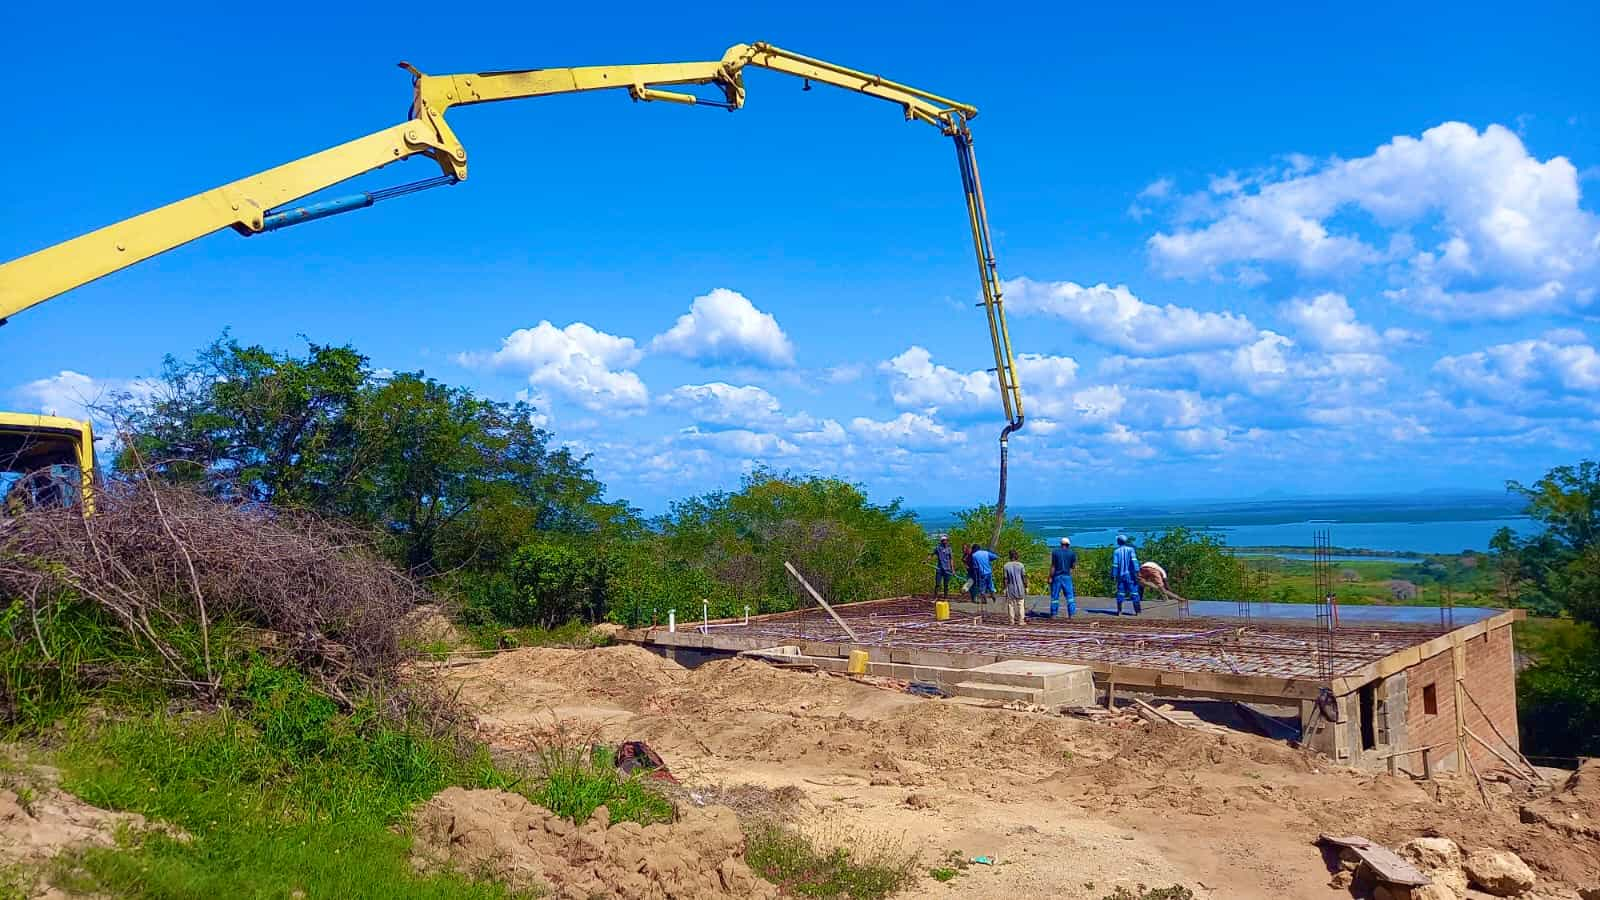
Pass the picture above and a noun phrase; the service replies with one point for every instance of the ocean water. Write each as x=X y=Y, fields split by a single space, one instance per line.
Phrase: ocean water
x=1418 y=523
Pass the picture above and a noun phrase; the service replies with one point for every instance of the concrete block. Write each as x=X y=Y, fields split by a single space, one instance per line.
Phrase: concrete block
x=1040 y=675
x=1002 y=692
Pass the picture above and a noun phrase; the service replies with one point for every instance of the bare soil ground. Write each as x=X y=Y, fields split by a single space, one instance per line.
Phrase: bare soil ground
x=1068 y=808
x=39 y=821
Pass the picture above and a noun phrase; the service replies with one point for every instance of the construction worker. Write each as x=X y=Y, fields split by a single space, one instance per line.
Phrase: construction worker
x=972 y=571
x=1125 y=572
x=943 y=567
x=983 y=569
x=1063 y=560
x=1016 y=591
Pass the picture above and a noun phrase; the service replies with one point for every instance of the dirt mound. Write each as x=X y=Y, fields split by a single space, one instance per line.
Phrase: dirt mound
x=39 y=821
x=1573 y=808
x=503 y=834
x=428 y=625
x=1161 y=748
x=623 y=671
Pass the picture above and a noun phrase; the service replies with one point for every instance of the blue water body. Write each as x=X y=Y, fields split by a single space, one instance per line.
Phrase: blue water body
x=1335 y=557
x=1418 y=523
x=1348 y=614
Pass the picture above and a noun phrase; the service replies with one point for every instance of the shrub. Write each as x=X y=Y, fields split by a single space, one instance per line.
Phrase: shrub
x=796 y=863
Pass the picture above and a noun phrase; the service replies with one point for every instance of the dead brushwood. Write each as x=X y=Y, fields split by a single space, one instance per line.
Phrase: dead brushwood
x=165 y=559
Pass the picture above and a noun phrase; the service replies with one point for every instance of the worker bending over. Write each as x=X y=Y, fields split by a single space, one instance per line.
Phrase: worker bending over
x=1125 y=572
x=1063 y=560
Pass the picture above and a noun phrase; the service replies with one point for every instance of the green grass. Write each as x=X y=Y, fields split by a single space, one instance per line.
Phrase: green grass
x=1294 y=581
x=286 y=792
x=575 y=780
x=1140 y=892
x=290 y=794
x=1541 y=636
x=273 y=790
x=574 y=635
x=801 y=868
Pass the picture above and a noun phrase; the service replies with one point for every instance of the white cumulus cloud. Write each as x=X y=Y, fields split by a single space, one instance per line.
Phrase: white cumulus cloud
x=917 y=382
x=79 y=396
x=910 y=431
x=1114 y=317
x=1327 y=322
x=1472 y=224
x=723 y=404
x=579 y=362
x=1507 y=372
x=724 y=326
x=741 y=442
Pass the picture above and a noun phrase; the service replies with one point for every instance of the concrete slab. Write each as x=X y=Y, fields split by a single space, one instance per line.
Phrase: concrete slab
x=1004 y=692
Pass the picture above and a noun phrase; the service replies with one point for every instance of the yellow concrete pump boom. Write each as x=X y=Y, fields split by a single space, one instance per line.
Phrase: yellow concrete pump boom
x=262 y=202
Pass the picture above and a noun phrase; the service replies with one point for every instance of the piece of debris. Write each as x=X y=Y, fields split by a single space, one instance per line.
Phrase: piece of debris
x=1498 y=872
x=919 y=801
x=926 y=689
x=636 y=756
x=1441 y=859
x=1385 y=864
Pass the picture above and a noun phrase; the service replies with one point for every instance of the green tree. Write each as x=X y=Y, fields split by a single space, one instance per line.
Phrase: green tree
x=1199 y=566
x=267 y=427
x=729 y=547
x=1558 y=572
x=453 y=480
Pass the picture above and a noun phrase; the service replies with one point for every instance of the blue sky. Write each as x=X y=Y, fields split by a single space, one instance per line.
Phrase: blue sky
x=1282 y=249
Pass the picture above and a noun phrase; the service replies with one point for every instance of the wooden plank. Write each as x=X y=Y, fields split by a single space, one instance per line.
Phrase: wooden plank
x=1385 y=863
x=1155 y=712
x=818 y=597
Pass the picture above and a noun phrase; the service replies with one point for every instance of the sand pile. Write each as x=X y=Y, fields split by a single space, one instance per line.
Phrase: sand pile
x=1573 y=808
x=508 y=837
x=624 y=671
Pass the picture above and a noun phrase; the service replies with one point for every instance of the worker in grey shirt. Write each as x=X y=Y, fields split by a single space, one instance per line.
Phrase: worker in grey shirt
x=943 y=567
x=1016 y=591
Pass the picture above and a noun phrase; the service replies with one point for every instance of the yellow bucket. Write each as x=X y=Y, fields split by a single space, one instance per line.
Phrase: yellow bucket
x=858 y=662
x=941 y=610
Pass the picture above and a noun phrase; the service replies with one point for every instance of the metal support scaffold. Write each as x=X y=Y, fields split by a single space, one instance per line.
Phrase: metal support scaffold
x=1327 y=602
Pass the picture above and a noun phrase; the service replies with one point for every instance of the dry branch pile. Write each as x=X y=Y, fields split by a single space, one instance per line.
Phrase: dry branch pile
x=165 y=560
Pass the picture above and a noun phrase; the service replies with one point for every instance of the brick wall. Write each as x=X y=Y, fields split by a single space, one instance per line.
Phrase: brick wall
x=1491 y=681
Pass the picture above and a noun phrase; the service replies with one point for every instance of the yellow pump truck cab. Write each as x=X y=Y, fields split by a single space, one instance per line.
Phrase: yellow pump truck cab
x=45 y=461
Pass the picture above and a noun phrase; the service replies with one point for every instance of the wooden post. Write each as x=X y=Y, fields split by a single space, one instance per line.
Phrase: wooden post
x=1427 y=763
x=1496 y=730
x=1458 y=668
x=1391 y=766
x=1111 y=692
x=818 y=597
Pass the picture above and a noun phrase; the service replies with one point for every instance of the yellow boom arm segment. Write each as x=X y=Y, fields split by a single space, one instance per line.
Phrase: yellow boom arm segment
x=260 y=202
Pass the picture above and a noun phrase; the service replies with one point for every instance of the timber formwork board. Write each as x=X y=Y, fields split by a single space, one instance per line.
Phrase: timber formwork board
x=1274 y=661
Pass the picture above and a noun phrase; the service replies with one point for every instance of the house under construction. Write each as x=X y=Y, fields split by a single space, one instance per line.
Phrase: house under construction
x=1408 y=696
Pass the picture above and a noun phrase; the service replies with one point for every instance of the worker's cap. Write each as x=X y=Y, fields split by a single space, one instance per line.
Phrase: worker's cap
x=1066 y=542
x=944 y=537
x=1122 y=539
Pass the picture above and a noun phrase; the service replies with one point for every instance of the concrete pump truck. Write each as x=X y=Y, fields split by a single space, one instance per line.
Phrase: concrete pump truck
x=48 y=460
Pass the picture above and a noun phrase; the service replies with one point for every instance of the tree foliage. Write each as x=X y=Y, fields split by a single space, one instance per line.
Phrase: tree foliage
x=452 y=479
x=847 y=547
x=1557 y=572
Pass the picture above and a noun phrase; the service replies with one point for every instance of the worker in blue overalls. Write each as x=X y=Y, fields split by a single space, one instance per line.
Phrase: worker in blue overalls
x=1125 y=572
